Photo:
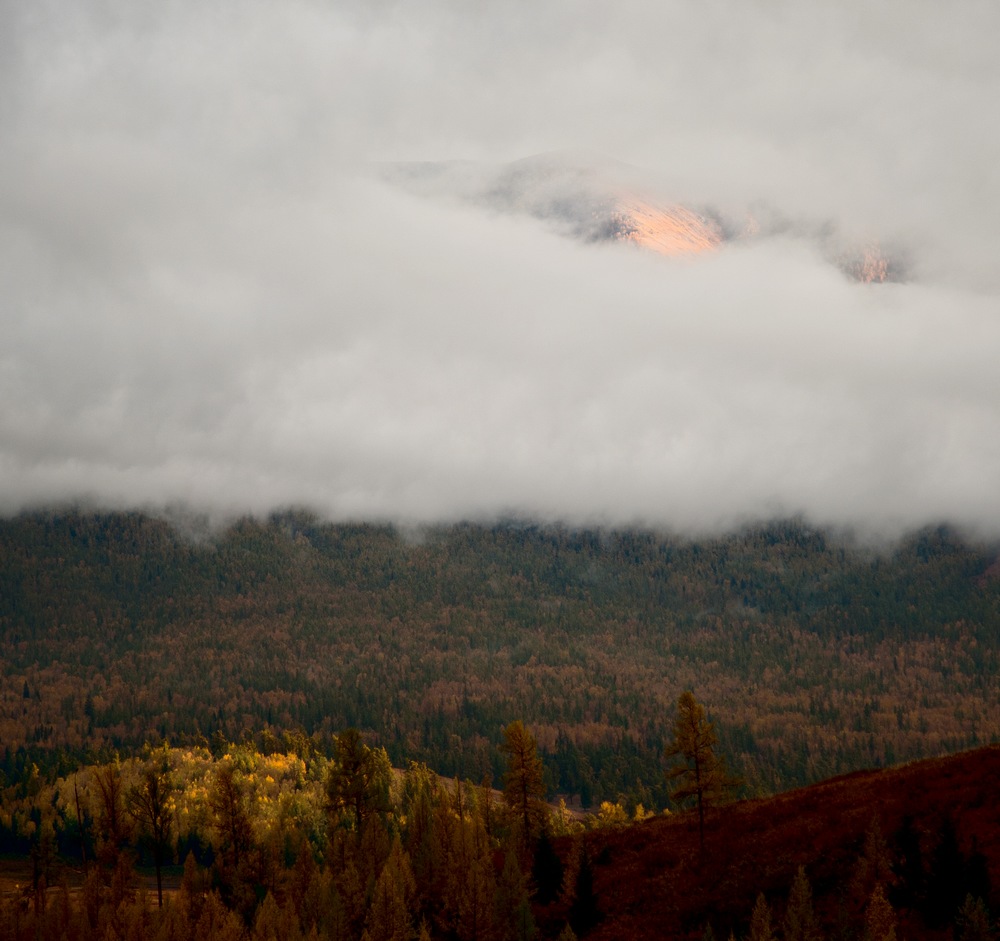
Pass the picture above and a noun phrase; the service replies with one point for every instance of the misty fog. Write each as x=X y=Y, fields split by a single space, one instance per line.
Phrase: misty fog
x=214 y=297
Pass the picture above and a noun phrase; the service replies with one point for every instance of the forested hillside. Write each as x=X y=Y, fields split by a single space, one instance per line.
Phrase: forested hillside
x=813 y=656
x=911 y=853
x=292 y=845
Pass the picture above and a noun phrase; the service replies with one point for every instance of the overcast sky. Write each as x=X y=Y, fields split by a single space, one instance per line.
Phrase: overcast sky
x=209 y=297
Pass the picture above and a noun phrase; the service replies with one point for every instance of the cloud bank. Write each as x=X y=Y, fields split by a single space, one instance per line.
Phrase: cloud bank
x=210 y=298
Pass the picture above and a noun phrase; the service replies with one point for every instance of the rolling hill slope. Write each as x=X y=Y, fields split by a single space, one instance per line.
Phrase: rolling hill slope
x=939 y=820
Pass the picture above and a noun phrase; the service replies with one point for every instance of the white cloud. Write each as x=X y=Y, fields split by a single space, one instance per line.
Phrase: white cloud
x=209 y=299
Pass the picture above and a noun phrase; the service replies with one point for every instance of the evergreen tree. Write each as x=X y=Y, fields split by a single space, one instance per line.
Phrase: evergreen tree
x=476 y=917
x=584 y=913
x=374 y=848
x=275 y=922
x=298 y=879
x=190 y=897
x=546 y=871
x=977 y=873
x=946 y=879
x=390 y=915
x=702 y=775
x=523 y=786
x=800 y=920
x=973 y=921
x=514 y=918
x=420 y=793
x=880 y=918
x=874 y=865
x=760 y=921
x=333 y=918
x=231 y=815
x=218 y=922
x=359 y=779
x=347 y=881
x=231 y=819
x=910 y=886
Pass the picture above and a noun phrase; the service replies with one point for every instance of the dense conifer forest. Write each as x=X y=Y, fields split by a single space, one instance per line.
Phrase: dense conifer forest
x=814 y=656
x=238 y=732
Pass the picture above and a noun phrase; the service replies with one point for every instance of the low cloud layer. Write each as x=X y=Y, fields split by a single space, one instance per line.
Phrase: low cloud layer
x=211 y=298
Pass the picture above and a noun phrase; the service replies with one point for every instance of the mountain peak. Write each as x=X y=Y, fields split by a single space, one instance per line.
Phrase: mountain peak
x=593 y=199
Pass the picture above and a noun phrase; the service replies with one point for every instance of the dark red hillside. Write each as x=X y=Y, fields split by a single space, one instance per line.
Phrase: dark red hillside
x=652 y=883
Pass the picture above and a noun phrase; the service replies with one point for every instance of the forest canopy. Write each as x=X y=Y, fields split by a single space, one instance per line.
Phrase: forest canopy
x=814 y=656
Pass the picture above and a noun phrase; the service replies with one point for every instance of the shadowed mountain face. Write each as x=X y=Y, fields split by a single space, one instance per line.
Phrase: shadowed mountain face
x=597 y=200
x=926 y=833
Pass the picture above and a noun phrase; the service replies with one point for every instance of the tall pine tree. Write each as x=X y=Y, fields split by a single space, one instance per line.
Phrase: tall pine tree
x=701 y=775
x=523 y=785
